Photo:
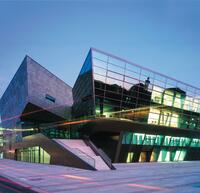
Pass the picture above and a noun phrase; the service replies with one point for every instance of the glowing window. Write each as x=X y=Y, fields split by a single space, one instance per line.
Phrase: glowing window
x=129 y=157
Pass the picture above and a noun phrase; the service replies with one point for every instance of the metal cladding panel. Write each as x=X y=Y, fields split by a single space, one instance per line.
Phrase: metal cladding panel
x=47 y=91
x=15 y=97
x=33 y=84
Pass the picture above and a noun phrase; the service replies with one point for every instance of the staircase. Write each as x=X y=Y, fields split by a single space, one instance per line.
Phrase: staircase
x=84 y=152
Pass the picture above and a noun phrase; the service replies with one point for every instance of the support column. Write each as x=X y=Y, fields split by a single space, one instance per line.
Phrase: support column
x=118 y=147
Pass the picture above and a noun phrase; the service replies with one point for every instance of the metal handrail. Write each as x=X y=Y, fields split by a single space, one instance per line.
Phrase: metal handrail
x=105 y=157
x=93 y=160
x=101 y=153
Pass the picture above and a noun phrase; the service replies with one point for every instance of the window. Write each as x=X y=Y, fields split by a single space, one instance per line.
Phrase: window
x=50 y=98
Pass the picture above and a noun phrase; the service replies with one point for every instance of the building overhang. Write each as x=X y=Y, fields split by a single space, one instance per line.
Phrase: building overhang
x=36 y=114
x=114 y=125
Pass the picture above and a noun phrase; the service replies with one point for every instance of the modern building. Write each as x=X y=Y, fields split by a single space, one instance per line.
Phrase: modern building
x=34 y=88
x=122 y=111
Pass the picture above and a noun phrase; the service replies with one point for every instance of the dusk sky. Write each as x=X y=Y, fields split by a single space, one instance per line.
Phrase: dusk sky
x=161 y=35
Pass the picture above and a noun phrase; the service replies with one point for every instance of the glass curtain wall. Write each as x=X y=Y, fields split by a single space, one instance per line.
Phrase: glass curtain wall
x=34 y=155
x=83 y=91
x=126 y=90
x=162 y=148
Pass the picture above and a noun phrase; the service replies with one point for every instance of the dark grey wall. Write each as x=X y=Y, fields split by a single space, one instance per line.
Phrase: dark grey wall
x=14 y=99
x=30 y=84
x=42 y=82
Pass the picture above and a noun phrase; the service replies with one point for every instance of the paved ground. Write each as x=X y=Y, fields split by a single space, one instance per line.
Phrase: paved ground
x=128 y=178
x=8 y=186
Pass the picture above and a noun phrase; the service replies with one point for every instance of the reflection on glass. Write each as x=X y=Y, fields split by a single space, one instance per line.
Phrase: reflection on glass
x=195 y=143
x=129 y=157
x=162 y=155
x=132 y=92
x=34 y=155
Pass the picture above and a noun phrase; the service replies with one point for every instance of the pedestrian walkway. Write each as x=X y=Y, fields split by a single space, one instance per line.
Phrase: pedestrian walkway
x=181 y=177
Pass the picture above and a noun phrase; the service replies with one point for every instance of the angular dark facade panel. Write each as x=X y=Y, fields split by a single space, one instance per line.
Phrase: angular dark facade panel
x=43 y=86
x=34 y=90
x=83 y=93
x=15 y=97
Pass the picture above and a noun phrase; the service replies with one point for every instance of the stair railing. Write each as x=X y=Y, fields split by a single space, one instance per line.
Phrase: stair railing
x=82 y=155
x=100 y=153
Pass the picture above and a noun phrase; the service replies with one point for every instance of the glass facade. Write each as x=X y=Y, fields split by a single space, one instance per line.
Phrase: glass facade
x=126 y=90
x=83 y=91
x=159 y=140
x=111 y=87
x=33 y=154
x=161 y=148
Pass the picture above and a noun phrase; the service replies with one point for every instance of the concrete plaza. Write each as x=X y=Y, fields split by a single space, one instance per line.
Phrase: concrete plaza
x=127 y=178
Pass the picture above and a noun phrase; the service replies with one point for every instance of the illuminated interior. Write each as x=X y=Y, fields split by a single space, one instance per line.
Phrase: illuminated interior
x=34 y=155
x=164 y=153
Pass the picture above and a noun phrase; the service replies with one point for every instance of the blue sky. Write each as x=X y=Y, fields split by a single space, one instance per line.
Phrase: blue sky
x=161 y=35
